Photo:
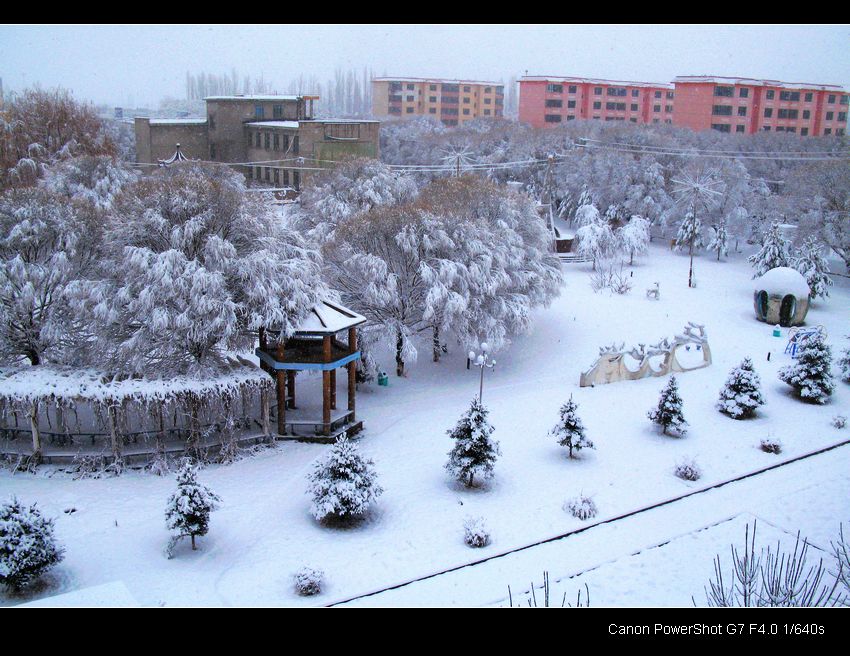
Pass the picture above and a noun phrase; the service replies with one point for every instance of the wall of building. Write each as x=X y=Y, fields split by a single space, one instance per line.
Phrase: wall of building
x=451 y=101
x=157 y=139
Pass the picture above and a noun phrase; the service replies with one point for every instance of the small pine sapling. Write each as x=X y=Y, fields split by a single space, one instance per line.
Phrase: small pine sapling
x=187 y=513
x=775 y=252
x=811 y=262
x=811 y=375
x=475 y=532
x=668 y=412
x=28 y=546
x=570 y=430
x=474 y=451
x=844 y=365
x=344 y=483
x=308 y=581
x=741 y=395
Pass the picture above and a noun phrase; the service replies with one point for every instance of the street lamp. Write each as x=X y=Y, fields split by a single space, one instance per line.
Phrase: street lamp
x=482 y=361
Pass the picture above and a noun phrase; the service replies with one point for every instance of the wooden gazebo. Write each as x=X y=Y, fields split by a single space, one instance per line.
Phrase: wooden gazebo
x=314 y=346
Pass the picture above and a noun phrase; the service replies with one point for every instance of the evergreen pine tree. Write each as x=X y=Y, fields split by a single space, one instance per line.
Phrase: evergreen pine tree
x=474 y=451
x=811 y=375
x=720 y=242
x=775 y=252
x=344 y=483
x=813 y=265
x=741 y=395
x=690 y=234
x=668 y=412
x=570 y=430
x=844 y=365
x=27 y=545
x=188 y=510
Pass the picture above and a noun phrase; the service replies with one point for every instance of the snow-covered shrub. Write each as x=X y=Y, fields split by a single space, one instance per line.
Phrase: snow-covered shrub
x=719 y=242
x=771 y=445
x=633 y=237
x=343 y=484
x=475 y=532
x=811 y=262
x=688 y=470
x=690 y=235
x=668 y=412
x=811 y=374
x=741 y=394
x=596 y=241
x=839 y=421
x=94 y=179
x=28 y=546
x=581 y=507
x=308 y=581
x=844 y=365
x=570 y=429
x=474 y=451
x=188 y=510
x=609 y=275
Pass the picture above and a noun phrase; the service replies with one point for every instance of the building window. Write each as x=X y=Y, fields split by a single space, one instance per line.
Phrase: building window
x=742 y=111
x=554 y=103
x=807 y=113
x=657 y=94
x=766 y=128
x=804 y=132
x=277 y=111
x=432 y=87
x=827 y=132
x=670 y=95
x=656 y=108
x=571 y=104
x=466 y=89
x=597 y=105
x=597 y=91
x=432 y=98
x=573 y=88
x=842 y=117
x=792 y=96
x=808 y=97
x=726 y=92
x=488 y=89
x=634 y=107
x=266 y=141
x=212 y=121
x=721 y=127
x=432 y=110
x=768 y=112
x=410 y=99
x=466 y=101
x=465 y=111
x=257 y=141
x=788 y=113
x=276 y=177
x=552 y=118
x=840 y=132
x=409 y=110
x=212 y=151
x=633 y=120
x=845 y=100
x=276 y=142
x=410 y=87
x=394 y=110
x=258 y=173
x=743 y=92
x=722 y=110
x=668 y=108
x=769 y=94
x=635 y=93
x=486 y=112
x=739 y=128
x=830 y=99
x=616 y=91
x=395 y=86
x=258 y=111
x=829 y=115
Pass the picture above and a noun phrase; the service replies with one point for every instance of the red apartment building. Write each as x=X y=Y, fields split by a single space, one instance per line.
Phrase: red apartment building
x=735 y=105
x=549 y=101
x=746 y=106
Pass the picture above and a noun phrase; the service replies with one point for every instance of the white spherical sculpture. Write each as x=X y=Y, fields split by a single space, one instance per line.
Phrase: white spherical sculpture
x=781 y=297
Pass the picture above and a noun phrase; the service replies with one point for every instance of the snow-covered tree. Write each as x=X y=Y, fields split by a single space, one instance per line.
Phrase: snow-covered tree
x=28 y=546
x=775 y=252
x=690 y=235
x=668 y=412
x=811 y=374
x=187 y=513
x=586 y=214
x=741 y=395
x=810 y=262
x=194 y=269
x=343 y=484
x=634 y=237
x=597 y=241
x=570 y=429
x=844 y=365
x=45 y=244
x=474 y=452
x=96 y=179
x=720 y=240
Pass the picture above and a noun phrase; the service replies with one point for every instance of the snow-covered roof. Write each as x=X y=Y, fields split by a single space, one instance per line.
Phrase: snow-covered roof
x=328 y=318
x=339 y=120
x=781 y=281
x=177 y=121
x=289 y=125
x=255 y=97
x=435 y=80
x=593 y=80
x=748 y=81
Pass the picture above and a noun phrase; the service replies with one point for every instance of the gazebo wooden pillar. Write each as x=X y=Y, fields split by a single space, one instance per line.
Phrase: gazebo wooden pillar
x=281 y=394
x=352 y=371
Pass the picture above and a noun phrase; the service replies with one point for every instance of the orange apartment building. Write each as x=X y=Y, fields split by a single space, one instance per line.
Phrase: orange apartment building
x=550 y=101
x=451 y=101
x=734 y=105
x=746 y=106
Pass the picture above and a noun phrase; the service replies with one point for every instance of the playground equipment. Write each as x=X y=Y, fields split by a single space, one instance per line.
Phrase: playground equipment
x=781 y=296
x=796 y=337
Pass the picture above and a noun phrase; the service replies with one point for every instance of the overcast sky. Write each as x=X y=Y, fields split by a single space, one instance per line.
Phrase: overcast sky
x=120 y=65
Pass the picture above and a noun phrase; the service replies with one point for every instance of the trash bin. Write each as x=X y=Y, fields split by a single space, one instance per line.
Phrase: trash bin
x=383 y=379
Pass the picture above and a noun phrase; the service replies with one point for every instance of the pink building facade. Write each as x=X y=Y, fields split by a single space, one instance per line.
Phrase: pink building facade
x=551 y=101
x=733 y=105
x=747 y=106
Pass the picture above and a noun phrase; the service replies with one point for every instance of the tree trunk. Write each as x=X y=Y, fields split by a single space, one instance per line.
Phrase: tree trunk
x=399 y=361
x=436 y=343
x=194 y=548
x=36 y=434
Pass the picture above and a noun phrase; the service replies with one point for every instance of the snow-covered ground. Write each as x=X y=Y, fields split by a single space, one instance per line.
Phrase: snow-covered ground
x=264 y=532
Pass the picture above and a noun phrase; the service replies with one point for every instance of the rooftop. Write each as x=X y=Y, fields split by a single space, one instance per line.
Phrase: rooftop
x=257 y=97
x=593 y=80
x=175 y=121
x=438 y=80
x=690 y=79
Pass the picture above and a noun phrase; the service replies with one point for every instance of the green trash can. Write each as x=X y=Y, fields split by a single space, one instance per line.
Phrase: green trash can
x=383 y=379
